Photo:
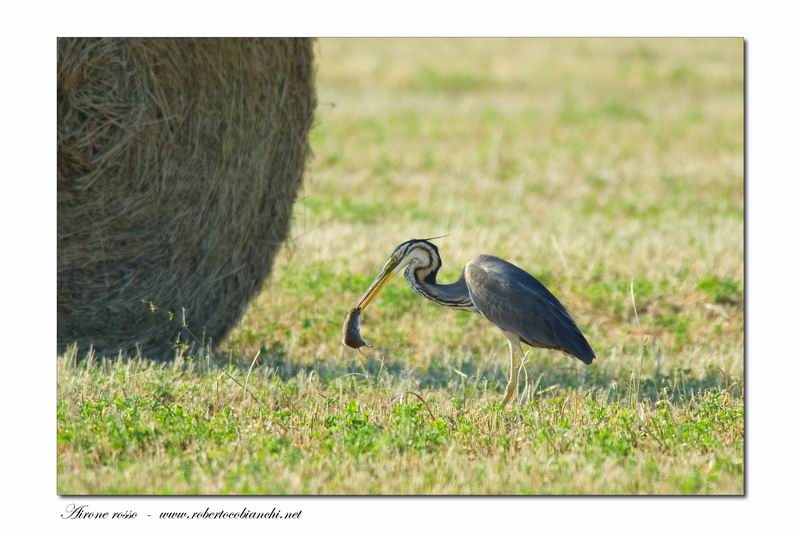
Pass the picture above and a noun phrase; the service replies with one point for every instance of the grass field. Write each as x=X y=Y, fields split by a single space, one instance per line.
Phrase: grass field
x=612 y=170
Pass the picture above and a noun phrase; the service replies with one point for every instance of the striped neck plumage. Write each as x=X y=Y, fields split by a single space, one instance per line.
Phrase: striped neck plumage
x=455 y=295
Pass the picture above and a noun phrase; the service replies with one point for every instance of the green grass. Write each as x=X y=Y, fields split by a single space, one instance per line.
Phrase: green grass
x=191 y=428
x=610 y=169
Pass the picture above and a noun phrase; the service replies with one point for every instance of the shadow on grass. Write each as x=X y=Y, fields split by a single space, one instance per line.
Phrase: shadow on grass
x=465 y=376
x=677 y=385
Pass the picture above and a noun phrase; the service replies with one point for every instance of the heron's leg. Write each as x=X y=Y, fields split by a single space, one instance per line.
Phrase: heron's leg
x=513 y=383
x=523 y=367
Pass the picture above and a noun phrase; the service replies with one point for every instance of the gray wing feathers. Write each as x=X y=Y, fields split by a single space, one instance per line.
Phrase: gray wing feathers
x=517 y=303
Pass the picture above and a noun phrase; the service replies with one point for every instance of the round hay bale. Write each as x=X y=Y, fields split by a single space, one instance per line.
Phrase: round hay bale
x=178 y=164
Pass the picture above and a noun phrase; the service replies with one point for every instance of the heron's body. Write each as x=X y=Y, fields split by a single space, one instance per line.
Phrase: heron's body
x=519 y=305
x=510 y=298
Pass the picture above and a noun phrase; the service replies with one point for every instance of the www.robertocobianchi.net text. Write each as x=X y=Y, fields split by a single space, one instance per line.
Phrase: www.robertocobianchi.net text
x=82 y=512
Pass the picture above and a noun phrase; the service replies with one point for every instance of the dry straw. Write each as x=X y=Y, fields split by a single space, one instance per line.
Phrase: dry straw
x=178 y=164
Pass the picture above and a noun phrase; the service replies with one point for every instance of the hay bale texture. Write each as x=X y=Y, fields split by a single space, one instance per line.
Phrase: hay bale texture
x=178 y=164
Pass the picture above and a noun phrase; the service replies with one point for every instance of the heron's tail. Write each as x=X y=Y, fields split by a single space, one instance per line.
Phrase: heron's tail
x=579 y=348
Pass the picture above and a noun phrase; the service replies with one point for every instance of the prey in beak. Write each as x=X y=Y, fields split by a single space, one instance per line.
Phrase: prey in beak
x=351 y=332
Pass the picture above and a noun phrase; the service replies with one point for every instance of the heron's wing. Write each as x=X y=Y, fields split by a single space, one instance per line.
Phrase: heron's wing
x=517 y=303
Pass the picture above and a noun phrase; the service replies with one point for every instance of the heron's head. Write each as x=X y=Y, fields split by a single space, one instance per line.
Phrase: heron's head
x=420 y=255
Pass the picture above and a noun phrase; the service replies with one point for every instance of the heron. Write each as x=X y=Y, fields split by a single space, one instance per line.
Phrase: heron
x=506 y=295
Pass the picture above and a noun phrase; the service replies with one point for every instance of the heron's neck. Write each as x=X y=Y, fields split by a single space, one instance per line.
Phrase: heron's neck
x=454 y=295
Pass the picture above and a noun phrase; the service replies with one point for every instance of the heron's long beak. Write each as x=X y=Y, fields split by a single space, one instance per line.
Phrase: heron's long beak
x=386 y=274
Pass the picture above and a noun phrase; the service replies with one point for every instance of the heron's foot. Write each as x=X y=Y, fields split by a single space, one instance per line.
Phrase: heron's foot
x=524 y=396
x=511 y=391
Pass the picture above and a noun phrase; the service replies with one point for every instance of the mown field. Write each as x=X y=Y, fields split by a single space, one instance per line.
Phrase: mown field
x=612 y=170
